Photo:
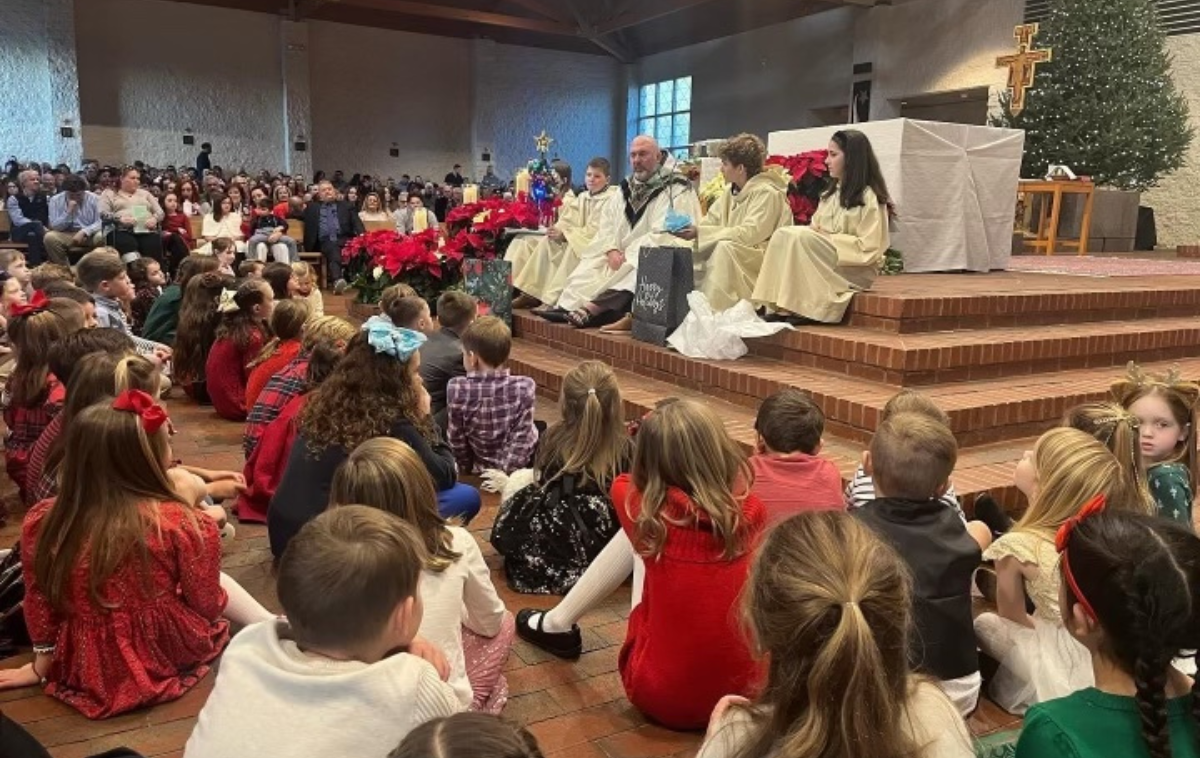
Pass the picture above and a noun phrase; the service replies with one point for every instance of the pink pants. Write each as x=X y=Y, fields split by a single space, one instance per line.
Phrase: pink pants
x=485 y=658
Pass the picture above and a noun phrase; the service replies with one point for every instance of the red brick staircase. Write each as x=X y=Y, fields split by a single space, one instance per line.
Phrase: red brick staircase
x=1004 y=354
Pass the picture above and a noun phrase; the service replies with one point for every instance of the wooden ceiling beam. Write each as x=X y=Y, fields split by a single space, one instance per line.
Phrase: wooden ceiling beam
x=588 y=31
x=543 y=9
x=484 y=18
x=646 y=12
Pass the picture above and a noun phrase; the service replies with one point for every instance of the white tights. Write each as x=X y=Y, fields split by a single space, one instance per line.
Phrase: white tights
x=242 y=608
x=612 y=567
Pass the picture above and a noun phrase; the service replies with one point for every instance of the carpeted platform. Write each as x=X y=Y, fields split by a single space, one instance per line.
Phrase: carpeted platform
x=1102 y=267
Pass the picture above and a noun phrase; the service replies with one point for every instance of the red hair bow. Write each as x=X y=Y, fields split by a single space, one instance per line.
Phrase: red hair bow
x=1092 y=507
x=135 y=401
x=36 y=304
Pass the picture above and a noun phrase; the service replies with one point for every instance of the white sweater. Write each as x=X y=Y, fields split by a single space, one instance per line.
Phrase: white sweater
x=462 y=595
x=272 y=699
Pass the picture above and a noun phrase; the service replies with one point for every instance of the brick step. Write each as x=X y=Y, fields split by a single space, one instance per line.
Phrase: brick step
x=980 y=412
x=912 y=303
x=986 y=468
x=944 y=357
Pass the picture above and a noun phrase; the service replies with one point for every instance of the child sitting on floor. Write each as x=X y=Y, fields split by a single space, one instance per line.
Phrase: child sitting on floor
x=225 y=251
x=910 y=461
x=1130 y=584
x=32 y=395
x=1119 y=431
x=468 y=735
x=441 y=356
x=829 y=605
x=686 y=511
x=275 y=416
x=148 y=280
x=163 y=318
x=409 y=312
x=789 y=477
x=551 y=530
x=123 y=587
x=243 y=329
x=104 y=277
x=197 y=330
x=1165 y=407
x=379 y=372
x=464 y=617
x=282 y=280
x=1038 y=658
x=251 y=269
x=287 y=325
x=12 y=263
x=344 y=675
x=490 y=412
x=307 y=289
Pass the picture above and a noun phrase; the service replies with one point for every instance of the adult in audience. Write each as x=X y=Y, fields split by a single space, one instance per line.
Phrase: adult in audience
x=600 y=290
x=490 y=182
x=75 y=222
x=407 y=217
x=810 y=273
x=373 y=210
x=29 y=214
x=137 y=215
x=224 y=221
x=189 y=198
x=203 y=161
x=329 y=224
x=732 y=237
x=455 y=177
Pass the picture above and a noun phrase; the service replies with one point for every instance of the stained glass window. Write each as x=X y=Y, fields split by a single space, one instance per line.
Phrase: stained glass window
x=665 y=113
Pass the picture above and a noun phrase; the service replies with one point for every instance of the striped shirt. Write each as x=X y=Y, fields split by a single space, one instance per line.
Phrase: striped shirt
x=861 y=491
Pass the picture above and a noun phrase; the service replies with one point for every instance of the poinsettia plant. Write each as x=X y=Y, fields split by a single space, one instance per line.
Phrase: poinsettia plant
x=807 y=178
x=377 y=260
x=477 y=230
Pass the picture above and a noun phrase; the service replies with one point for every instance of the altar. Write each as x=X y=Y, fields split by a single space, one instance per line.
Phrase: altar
x=954 y=187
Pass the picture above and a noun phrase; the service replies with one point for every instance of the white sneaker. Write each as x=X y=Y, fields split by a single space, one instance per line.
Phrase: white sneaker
x=340 y=286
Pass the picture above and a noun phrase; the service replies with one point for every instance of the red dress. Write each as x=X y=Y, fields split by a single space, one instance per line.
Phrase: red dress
x=35 y=469
x=262 y=373
x=684 y=648
x=265 y=466
x=225 y=374
x=160 y=635
x=25 y=424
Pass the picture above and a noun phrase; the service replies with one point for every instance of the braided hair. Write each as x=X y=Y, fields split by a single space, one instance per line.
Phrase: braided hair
x=1140 y=574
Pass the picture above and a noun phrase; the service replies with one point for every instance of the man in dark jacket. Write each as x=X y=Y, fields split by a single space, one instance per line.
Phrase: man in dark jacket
x=329 y=224
x=29 y=214
x=203 y=161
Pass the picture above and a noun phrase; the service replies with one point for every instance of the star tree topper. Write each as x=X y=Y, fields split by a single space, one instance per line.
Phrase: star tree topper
x=543 y=141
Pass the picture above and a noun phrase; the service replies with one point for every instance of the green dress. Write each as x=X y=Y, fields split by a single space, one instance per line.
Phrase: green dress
x=1171 y=488
x=1095 y=724
x=163 y=318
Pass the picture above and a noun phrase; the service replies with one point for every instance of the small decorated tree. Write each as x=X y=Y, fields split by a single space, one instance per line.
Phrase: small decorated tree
x=1105 y=105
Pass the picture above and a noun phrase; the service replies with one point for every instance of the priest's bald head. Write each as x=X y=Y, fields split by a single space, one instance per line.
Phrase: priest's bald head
x=643 y=157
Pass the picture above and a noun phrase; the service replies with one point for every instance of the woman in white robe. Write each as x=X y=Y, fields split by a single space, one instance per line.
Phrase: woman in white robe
x=810 y=273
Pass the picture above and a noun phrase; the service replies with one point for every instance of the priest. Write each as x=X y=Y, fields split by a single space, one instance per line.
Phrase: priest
x=653 y=201
x=732 y=238
x=559 y=253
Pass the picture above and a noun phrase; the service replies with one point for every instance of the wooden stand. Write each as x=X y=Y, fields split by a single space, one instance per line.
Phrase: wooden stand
x=1047 y=240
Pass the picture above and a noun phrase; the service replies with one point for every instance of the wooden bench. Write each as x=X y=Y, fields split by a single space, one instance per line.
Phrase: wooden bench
x=7 y=243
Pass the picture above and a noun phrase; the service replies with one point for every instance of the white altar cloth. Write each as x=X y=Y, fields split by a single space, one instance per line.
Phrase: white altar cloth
x=954 y=186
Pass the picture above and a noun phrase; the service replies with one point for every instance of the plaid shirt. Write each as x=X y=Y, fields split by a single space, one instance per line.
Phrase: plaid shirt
x=491 y=421
x=289 y=382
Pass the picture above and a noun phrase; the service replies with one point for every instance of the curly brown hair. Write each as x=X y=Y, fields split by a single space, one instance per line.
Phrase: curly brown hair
x=363 y=398
x=198 y=319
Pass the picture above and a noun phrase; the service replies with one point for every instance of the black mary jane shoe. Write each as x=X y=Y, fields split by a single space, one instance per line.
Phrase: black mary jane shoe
x=567 y=645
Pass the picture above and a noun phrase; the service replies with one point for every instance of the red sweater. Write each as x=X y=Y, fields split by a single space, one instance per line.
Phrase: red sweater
x=225 y=374
x=794 y=483
x=265 y=466
x=262 y=373
x=178 y=223
x=684 y=649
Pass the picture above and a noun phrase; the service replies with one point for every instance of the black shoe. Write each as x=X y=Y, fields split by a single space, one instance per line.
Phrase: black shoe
x=568 y=645
x=992 y=515
x=554 y=315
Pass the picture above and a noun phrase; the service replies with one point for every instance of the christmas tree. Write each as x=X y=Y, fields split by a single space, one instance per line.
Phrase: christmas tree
x=1106 y=105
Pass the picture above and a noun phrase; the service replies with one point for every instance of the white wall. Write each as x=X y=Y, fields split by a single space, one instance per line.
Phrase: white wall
x=928 y=46
x=576 y=98
x=38 y=89
x=150 y=69
x=763 y=80
x=373 y=87
x=1176 y=212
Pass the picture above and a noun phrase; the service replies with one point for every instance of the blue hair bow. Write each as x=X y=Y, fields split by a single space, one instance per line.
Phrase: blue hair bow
x=385 y=337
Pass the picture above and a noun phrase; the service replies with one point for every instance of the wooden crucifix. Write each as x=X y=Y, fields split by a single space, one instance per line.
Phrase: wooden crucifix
x=1021 y=66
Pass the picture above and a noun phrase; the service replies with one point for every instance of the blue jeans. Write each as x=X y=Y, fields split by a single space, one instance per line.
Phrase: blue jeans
x=461 y=501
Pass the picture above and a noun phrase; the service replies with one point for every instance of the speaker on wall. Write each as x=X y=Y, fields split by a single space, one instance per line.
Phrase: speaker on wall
x=300 y=146
x=189 y=139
